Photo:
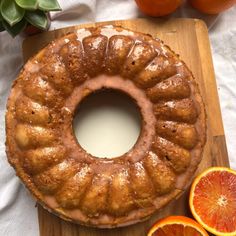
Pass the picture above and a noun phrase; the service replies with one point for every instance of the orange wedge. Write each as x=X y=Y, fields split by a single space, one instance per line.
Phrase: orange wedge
x=177 y=226
x=213 y=200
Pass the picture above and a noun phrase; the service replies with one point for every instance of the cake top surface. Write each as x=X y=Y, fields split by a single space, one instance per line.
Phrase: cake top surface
x=67 y=180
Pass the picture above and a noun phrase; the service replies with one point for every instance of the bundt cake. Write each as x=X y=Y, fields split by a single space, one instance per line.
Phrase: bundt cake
x=105 y=192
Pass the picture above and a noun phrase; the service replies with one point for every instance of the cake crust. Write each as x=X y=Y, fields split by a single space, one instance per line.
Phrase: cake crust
x=70 y=182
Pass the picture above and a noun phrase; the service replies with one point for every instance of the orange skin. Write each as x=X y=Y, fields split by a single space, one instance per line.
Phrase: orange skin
x=212 y=6
x=158 y=7
x=183 y=220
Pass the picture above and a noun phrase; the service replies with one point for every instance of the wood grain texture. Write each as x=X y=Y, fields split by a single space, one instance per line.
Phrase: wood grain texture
x=189 y=39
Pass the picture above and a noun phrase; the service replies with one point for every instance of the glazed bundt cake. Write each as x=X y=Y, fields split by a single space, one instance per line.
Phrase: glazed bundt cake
x=105 y=192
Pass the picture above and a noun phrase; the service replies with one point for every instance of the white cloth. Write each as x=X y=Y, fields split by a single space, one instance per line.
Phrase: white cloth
x=18 y=215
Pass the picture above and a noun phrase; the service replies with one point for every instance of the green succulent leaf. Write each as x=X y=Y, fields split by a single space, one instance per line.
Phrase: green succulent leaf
x=15 y=29
x=27 y=4
x=37 y=19
x=48 y=5
x=11 y=12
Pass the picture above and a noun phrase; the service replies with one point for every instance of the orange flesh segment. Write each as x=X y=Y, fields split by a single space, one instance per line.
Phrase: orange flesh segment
x=176 y=230
x=214 y=200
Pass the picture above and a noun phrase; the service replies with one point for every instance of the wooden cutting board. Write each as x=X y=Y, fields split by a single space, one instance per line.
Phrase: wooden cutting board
x=188 y=38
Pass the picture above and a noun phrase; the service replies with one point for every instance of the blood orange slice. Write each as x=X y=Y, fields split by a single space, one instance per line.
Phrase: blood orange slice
x=177 y=226
x=213 y=200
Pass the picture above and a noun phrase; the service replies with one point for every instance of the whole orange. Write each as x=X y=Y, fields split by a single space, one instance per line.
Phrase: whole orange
x=158 y=7
x=212 y=6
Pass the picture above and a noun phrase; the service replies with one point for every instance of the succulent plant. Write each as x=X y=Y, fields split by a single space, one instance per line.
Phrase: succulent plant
x=15 y=15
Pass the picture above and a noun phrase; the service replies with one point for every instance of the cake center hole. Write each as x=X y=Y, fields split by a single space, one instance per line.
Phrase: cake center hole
x=107 y=123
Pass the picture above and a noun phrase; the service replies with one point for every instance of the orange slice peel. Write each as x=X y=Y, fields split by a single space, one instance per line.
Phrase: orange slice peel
x=177 y=226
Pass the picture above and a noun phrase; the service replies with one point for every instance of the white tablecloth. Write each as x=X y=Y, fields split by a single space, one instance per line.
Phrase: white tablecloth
x=18 y=215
